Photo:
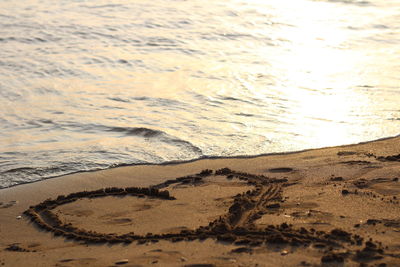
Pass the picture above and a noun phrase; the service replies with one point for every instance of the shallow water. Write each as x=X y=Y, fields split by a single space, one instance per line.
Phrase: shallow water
x=90 y=85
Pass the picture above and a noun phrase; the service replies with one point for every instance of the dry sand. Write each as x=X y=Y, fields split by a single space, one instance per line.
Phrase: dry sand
x=326 y=207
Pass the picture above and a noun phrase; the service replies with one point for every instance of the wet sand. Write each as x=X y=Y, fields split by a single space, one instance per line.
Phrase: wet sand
x=336 y=206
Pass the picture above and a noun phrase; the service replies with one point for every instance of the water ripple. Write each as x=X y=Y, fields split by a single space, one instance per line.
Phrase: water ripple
x=92 y=85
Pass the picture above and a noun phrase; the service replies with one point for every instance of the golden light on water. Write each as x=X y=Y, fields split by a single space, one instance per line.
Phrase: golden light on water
x=134 y=81
x=298 y=64
x=317 y=74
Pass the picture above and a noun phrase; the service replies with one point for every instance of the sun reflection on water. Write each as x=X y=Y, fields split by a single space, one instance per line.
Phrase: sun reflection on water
x=230 y=77
x=317 y=74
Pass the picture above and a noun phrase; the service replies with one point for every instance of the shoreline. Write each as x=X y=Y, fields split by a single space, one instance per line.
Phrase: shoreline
x=341 y=203
x=174 y=162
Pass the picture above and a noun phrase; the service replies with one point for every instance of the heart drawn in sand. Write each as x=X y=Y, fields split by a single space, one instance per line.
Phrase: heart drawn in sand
x=237 y=225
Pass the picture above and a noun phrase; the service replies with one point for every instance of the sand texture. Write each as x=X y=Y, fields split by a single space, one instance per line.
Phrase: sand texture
x=336 y=206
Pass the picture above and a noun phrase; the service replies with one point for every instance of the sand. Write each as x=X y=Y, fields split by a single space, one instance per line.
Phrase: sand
x=337 y=206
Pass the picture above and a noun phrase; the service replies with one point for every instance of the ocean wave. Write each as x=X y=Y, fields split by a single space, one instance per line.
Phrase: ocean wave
x=352 y=2
x=348 y=2
x=137 y=131
x=159 y=135
x=119 y=99
x=107 y=6
x=186 y=144
x=168 y=148
x=21 y=175
x=22 y=40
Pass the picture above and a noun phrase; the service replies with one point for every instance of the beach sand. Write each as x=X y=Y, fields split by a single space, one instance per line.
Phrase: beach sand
x=336 y=206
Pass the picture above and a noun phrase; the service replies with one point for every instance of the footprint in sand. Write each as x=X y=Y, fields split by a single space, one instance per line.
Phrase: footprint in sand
x=281 y=169
x=346 y=153
x=120 y=221
x=79 y=261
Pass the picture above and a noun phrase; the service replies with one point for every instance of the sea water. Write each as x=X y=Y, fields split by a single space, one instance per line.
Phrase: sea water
x=88 y=85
